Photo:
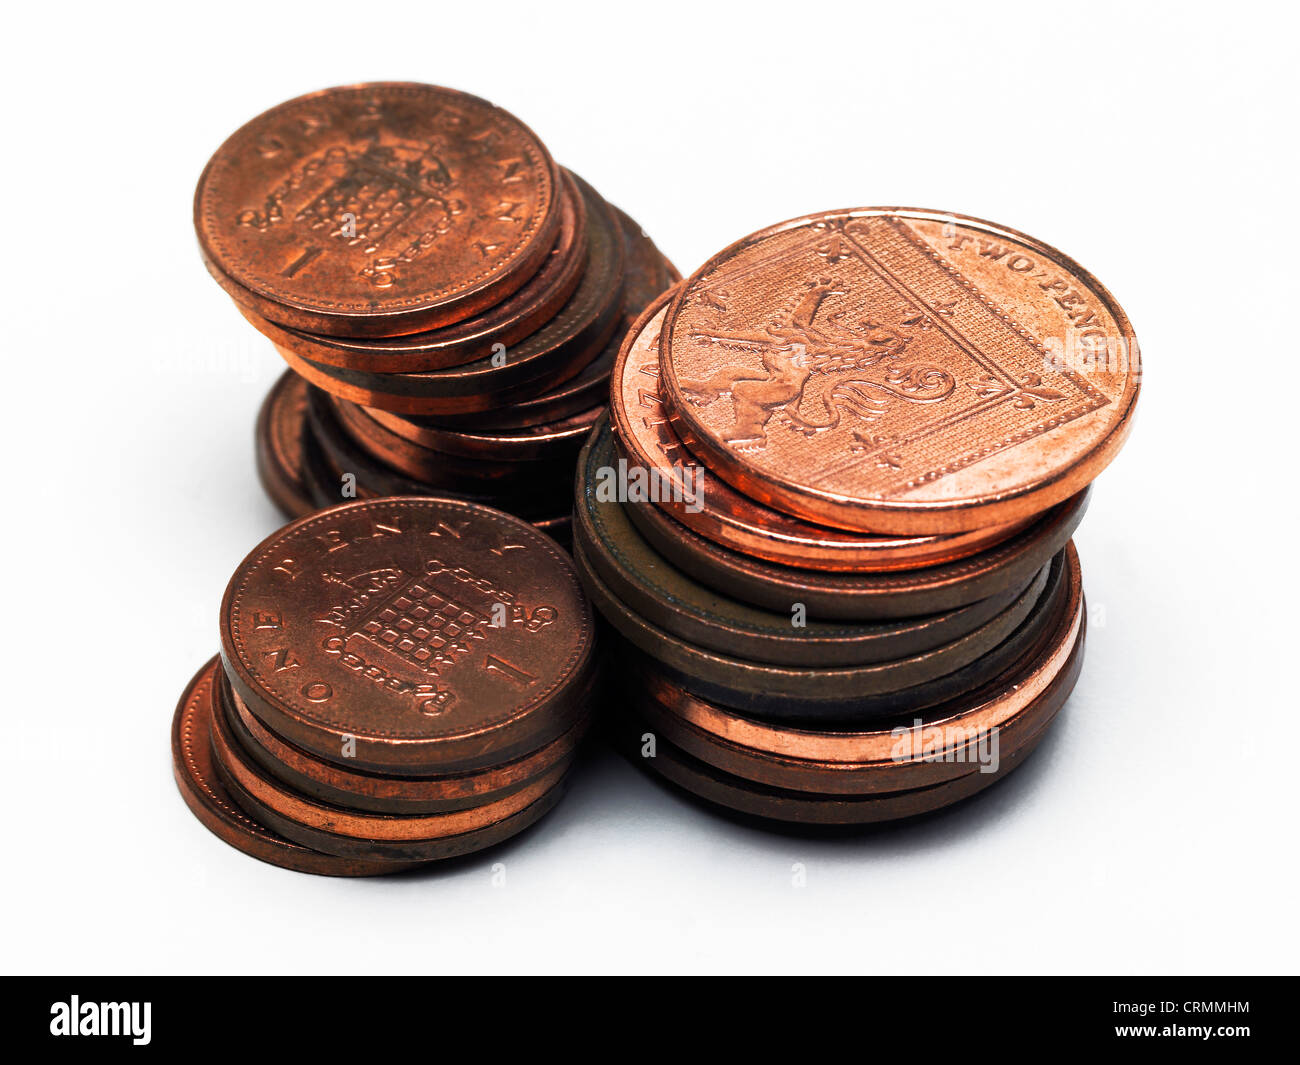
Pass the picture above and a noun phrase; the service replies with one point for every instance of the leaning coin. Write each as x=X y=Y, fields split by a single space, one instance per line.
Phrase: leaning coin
x=373 y=210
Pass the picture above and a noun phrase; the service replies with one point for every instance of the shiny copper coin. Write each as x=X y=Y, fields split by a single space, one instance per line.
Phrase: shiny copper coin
x=374 y=792
x=244 y=777
x=795 y=807
x=943 y=744
x=648 y=273
x=522 y=313
x=212 y=804
x=372 y=210
x=651 y=587
x=712 y=508
x=553 y=354
x=278 y=438
x=411 y=636
x=841 y=693
x=899 y=371
x=851 y=596
x=548 y=440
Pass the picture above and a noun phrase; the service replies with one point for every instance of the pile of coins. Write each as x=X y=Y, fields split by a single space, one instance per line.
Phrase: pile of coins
x=448 y=299
x=400 y=681
x=829 y=514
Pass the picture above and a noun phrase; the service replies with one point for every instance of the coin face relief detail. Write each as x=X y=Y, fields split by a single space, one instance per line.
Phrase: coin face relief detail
x=899 y=371
x=377 y=201
x=404 y=620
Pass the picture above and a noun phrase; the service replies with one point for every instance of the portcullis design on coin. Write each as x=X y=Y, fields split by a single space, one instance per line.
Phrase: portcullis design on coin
x=408 y=635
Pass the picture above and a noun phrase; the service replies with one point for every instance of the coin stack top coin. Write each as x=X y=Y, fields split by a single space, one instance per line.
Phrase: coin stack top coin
x=447 y=297
x=400 y=680
x=832 y=508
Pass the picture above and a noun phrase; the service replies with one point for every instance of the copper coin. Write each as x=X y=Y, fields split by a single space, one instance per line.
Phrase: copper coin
x=514 y=318
x=795 y=807
x=648 y=273
x=374 y=792
x=943 y=744
x=661 y=594
x=278 y=438
x=379 y=834
x=899 y=371
x=412 y=459
x=212 y=804
x=849 y=596
x=841 y=693
x=372 y=210
x=547 y=440
x=390 y=472
x=329 y=485
x=712 y=508
x=403 y=851
x=553 y=354
x=412 y=636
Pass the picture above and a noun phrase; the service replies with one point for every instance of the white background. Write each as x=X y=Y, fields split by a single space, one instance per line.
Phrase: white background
x=1154 y=832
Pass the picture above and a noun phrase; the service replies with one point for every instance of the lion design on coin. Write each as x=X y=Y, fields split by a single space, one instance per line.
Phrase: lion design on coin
x=810 y=374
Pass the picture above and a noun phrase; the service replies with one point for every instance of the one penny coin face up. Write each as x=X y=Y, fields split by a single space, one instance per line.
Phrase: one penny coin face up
x=415 y=636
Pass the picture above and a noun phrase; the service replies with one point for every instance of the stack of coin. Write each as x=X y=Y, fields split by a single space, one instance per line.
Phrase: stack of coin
x=400 y=680
x=448 y=299
x=829 y=514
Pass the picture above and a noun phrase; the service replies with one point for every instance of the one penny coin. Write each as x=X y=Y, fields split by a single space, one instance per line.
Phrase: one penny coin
x=373 y=210
x=411 y=636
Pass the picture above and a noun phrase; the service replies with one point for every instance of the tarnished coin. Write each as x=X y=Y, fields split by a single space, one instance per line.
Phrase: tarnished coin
x=411 y=636
x=842 y=693
x=378 y=793
x=943 y=743
x=852 y=596
x=762 y=801
x=652 y=587
x=553 y=354
x=372 y=210
x=899 y=371
x=212 y=804
x=523 y=312
x=278 y=439
x=712 y=508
